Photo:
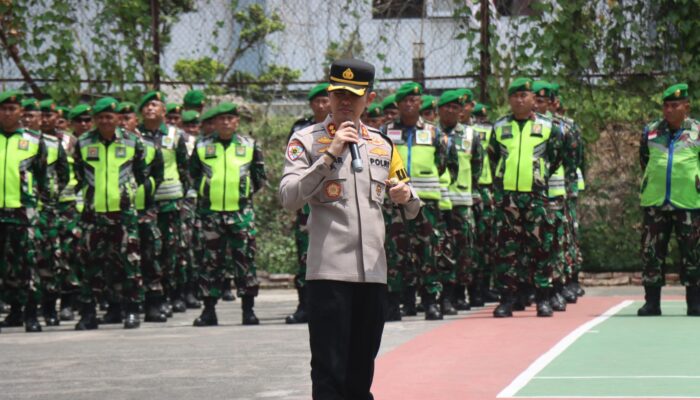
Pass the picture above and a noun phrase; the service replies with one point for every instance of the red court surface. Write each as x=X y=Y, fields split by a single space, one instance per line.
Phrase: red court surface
x=478 y=356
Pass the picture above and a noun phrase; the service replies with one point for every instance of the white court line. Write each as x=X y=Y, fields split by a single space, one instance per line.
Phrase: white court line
x=555 y=351
x=620 y=377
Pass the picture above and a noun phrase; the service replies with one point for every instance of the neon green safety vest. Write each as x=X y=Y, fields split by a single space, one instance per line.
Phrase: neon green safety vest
x=445 y=203
x=171 y=187
x=107 y=171
x=523 y=153
x=484 y=132
x=150 y=154
x=16 y=181
x=461 y=190
x=557 y=184
x=672 y=175
x=52 y=145
x=580 y=182
x=227 y=174
x=420 y=162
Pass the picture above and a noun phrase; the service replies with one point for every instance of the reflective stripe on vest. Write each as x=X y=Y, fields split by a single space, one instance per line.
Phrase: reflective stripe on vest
x=522 y=154
x=141 y=191
x=672 y=175
x=484 y=132
x=16 y=155
x=461 y=189
x=107 y=174
x=445 y=203
x=226 y=172
x=171 y=187
x=423 y=172
x=51 y=158
x=557 y=184
x=580 y=182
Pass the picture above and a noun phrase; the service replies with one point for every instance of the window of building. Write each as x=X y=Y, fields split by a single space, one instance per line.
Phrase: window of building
x=392 y=9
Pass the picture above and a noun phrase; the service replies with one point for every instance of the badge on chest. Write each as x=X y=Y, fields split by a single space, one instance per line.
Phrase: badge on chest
x=210 y=151
x=424 y=137
x=120 y=152
x=93 y=153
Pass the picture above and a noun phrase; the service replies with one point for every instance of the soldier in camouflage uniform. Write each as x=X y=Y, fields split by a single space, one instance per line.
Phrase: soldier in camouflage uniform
x=188 y=259
x=523 y=149
x=173 y=114
x=669 y=154
x=23 y=155
x=127 y=113
x=424 y=154
x=373 y=116
x=320 y=106
x=227 y=168
x=53 y=265
x=465 y=161
x=31 y=114
x=170 y=140
x=109 y=167
x=428 y=109
x=390 y=108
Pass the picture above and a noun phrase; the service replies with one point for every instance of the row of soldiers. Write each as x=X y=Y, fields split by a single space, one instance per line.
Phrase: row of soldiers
x=149 y=214
x=498 y=221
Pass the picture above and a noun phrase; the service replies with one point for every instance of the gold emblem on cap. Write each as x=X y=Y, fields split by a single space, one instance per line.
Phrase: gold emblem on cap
x=53 y=107
x=158 y=95
x=348 y=74
x=677 y=93
x=542 y=92
x=112 y=106
x=415 y=89
x=13 y=98
x=527 y=85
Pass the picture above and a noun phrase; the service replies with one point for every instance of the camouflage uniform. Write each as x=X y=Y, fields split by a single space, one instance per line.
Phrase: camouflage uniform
x=525 y=224
x=190 y=232
x=110 y=243
x=483 y=209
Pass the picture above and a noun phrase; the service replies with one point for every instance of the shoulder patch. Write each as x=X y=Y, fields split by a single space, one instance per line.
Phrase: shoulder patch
x=295 y=149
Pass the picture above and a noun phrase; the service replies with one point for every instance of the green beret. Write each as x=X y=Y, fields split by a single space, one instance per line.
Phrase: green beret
x=152 y=95
x=207 y=115
x=450 y=96
x=30 y=104
x=541 y=88
x=520 y=85
x=374 y=110
x=554 y=87
x=194 y=98
x=11 y=96
x=225 y=108
x=173 y=108
x=190 y=117
x=78 y=110
x=318 y=90
x=63 y=111
x=410 y=88
x=678 y=91
x=106 y=104
x=479 y=109
x=48 y=105
x=469 y=95
x=389 y=102
x=126 y=107
x=428 y=102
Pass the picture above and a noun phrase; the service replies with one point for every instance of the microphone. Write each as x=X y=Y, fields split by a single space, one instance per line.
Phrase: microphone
x=355 y=154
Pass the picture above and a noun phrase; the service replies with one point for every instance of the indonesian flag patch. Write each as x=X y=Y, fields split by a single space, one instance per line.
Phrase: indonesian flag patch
x=295 y=150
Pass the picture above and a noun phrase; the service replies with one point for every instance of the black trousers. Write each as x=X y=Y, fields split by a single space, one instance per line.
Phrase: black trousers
x=346 y=321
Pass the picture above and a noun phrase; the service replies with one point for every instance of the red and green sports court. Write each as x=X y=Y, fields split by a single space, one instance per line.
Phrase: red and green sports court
x=597 y=349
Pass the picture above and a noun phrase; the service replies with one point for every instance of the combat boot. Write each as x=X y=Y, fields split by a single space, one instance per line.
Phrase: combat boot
x=31 y=323
x=15 y=317
x=392 y=311
x=568 y=294
x=48 y=310
x=113 y=314
x=166 y=308
x=432 y=311
x=505 y=307
x=191 y=300
x=461 y=303
x=131 y=319
x=544 y=308
x=208 y=316
x=446 y=306
x=557 y=301
x=247 y=304
x=299 y=316
x=652 y=304
x=489 y=294
x=476 y=298
x=409 y=302
x=152 y=308
x=178 y=303
x=88 y=318
x=66 y=313
x=692 y=298
x=4 y=307
x=227 y=293
x=575 y=287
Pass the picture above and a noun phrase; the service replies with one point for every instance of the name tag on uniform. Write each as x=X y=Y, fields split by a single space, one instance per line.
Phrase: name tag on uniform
x=210 y=151
x=240 y=151
x=93 y=153
x=23 y=144
x=120 y=152
x=482 y=136
x=394 y=135
x=507 y=132
x=536 y=130
x=166 y=141
x=424 y=137
x=384 y=163
x=466 y=144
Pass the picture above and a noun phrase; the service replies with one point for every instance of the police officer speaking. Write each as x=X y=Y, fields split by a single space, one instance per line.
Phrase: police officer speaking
x=346 y=271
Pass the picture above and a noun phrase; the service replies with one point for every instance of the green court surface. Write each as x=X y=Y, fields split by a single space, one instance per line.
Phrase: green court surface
x=623 y=356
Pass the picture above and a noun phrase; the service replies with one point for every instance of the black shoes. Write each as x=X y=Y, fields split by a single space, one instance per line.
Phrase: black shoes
x=208 y=316
x=152 y=309
x=88 y=318
x=652 y=304
x=392 y=309
x=131 y=319
x=227 y=292
x=446 y=307
x=113 y=314
x=432 y=311
x=692 y=298
x=66 y=313
x=249 y=317
x=15 y=318
x=409 y=302
x=31 y=323
x=505 y=307
x=299 y=316
x=544 y=308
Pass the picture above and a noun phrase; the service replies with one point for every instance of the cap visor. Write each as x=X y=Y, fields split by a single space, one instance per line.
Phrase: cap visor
x=360 y=91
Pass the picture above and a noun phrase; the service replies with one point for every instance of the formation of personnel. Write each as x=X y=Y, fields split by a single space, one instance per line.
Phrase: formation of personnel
x=146 y=215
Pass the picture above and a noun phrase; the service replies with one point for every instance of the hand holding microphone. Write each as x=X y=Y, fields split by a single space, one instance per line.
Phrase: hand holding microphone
x=347 y=133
